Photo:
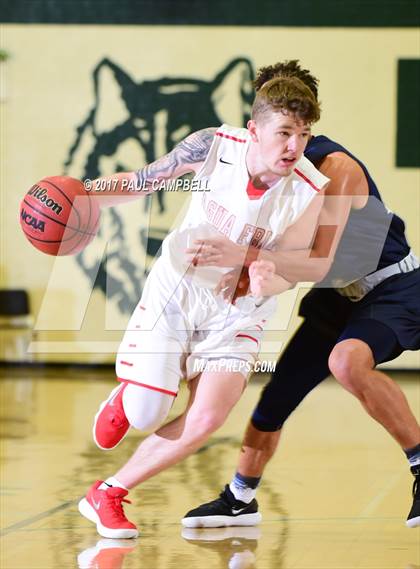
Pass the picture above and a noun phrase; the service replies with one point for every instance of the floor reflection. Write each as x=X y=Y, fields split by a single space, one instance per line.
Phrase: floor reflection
x=106 y=554
x=235 y=546
x=332 y=497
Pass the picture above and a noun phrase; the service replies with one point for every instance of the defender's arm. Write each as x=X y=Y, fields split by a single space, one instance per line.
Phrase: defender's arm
x=311 y=262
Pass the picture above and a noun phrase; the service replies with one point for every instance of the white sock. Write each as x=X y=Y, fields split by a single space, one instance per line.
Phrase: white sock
x=243 y=494
x=111 y=482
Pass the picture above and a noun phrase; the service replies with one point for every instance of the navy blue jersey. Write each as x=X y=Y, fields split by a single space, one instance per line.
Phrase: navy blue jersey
x=371 y=229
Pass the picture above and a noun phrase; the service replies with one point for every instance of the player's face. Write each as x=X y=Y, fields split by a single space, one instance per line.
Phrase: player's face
x=281 y=140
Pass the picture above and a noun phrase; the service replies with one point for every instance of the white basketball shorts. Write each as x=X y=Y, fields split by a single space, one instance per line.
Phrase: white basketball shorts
x=179 y=329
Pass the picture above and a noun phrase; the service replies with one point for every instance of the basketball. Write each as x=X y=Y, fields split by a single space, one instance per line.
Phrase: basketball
x=58 y=216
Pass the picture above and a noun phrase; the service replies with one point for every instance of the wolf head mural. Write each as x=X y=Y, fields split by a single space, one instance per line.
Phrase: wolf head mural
x=131 y=124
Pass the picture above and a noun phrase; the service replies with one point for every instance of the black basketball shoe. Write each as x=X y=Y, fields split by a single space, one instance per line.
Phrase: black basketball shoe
x=225 y=511
x=413 y=518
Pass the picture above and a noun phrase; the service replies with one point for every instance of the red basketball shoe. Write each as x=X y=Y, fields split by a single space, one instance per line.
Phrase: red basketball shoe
x=104 y=508
x=111 y=425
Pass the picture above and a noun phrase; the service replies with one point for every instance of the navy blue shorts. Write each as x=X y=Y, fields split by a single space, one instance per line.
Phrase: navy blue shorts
x=387 y=319
x=394 y=305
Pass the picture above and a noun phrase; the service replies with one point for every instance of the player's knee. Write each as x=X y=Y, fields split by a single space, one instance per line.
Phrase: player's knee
x=267 y=420
x=205 y=422
x=277 y=401
x=144 y=408
x=348 y=364
x=144 y=420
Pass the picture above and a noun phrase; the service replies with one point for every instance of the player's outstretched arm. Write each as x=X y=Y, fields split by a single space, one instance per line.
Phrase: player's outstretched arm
x=187 y=156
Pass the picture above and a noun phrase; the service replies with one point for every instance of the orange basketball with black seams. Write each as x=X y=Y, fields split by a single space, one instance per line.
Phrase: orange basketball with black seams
x=58 y=216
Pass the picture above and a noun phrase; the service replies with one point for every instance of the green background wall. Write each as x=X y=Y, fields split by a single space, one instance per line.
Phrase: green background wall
x=47 y=92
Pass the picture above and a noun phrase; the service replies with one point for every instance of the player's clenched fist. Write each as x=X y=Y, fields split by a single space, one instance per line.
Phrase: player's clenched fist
x=262 y=275
x=264 y=281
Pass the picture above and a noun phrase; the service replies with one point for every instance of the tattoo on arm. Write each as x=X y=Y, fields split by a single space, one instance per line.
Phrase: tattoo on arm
x=195 y=147
x=191 y=150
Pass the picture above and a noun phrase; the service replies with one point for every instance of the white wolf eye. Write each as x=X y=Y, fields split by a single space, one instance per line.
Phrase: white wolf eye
x=178 y=88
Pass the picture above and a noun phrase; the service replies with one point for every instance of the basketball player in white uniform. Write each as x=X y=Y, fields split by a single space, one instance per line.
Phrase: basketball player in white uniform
x=261 y=188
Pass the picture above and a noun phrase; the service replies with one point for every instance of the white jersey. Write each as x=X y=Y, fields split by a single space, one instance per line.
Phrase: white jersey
x=226 y=209
x=180 y=322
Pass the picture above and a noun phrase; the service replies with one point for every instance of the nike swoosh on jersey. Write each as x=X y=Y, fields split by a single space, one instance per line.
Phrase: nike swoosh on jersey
x=224 y=162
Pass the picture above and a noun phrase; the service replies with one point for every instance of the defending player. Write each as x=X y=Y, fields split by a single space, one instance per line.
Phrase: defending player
x=347 y=331
x=180 y=320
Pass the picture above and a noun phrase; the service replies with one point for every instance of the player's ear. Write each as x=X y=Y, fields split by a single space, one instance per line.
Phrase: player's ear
x=252 y=128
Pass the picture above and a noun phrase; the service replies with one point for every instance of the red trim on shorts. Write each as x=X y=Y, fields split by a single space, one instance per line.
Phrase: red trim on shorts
x=222 y=134
x=152 y=387
x=246 y=336
x=124 y=363
x=299 y=173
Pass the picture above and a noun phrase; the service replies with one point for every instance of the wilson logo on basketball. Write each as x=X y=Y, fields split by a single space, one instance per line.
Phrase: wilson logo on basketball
x=32 y=221
x=42 y=195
